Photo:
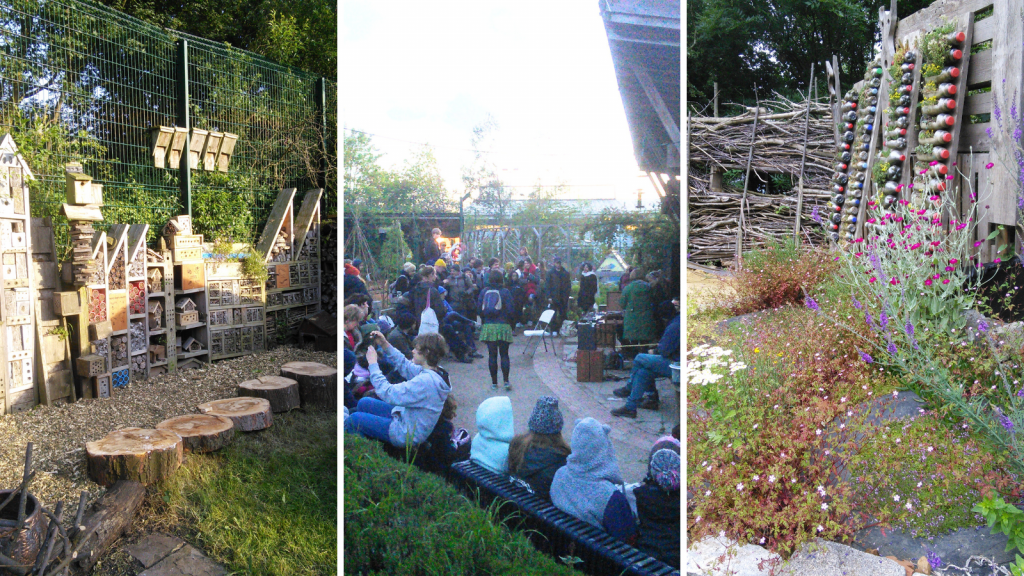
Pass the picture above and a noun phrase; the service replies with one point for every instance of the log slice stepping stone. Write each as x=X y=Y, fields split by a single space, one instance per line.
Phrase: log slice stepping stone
x=281 y=392
x=144 y=455
x=318 y=383
x=201 y=432
x=248 y=414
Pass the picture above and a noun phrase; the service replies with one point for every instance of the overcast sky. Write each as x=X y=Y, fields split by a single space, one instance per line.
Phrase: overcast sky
x=418 y=72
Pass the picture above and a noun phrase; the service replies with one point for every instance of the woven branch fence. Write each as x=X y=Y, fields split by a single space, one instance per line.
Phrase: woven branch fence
x=724 y=143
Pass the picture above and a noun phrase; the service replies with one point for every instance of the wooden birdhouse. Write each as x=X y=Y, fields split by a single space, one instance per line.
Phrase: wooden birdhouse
x=212 y=150
x=156 y=279
x=196 y=144
x=177 y=147
x=227 y=148
x=159 y=143
x=155 y=308
x=192 y=345
x=184 y=305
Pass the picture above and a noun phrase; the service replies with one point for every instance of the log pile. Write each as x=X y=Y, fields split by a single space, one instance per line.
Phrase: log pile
x=32 y=537
x=119 y=350
x=116 y=276
x=724 y=143
x=329 y=292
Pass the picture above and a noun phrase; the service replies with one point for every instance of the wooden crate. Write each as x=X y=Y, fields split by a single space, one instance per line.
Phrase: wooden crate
x=186 y=241
x=589 y=366
x=605 y=335
x=66 y=303
x=193 y=275
x=182 y=254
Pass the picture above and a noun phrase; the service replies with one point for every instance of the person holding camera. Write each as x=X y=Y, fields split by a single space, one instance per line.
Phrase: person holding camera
x=406 y=412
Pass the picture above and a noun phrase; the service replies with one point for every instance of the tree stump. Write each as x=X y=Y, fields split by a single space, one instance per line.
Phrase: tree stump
x=144 y=455
x=318 y=384
x=282 y=393
x=248 y=414
x=201 y=432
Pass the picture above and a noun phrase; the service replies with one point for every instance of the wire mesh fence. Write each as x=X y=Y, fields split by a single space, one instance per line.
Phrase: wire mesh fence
x=82 y=82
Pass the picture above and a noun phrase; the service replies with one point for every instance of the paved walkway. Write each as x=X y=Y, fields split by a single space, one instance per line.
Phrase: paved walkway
x=547 y=374
x=163 y=555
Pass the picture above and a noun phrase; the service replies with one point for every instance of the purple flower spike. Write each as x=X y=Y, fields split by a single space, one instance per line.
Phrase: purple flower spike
x=989 y=132
x=883 y=320
x=866 y=357
x=815 y=216
x=869 y=320
x=812 y=304
x=1006 y=423
x=982 y=326
x=909 y=329
x=933 y=559
x=891 y=349
x=856 y=304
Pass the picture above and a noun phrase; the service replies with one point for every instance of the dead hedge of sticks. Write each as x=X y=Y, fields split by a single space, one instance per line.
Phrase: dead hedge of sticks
x=724 y=143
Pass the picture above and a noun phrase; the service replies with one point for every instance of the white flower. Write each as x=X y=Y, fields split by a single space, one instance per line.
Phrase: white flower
x=735 y=367
x=843 y=399
x=762 y=540
x=704 y=463
x=919 y=484
x=824 y=506
x=897 y=440
x=755 y=426
x=820 y=527
x=818 y=432
x=895 y=393
x=908 y=506
x=697 y=519
x=771 y=479
x=756 y=477
x=739 y=487
x=930 y=448
x=896 y=497
x=708 y=493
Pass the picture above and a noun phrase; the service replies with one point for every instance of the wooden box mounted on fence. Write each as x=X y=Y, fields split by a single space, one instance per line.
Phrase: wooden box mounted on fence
x=195 y=146
x=227 y=148
x=159 y=144
x=66 y=303
x=192 y=276
x=81 y=190
x=177 y=147
x=211 y=150
x=100 y=330
x=118 y=309
x=91 y=365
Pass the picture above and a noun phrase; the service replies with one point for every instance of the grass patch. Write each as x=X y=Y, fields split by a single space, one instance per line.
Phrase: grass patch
x=399 y=520
x=266 y=504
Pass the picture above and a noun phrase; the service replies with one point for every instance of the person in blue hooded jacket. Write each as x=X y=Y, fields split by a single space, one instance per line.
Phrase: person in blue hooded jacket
x=494 y=433
x=407 y=412
x=590 y=485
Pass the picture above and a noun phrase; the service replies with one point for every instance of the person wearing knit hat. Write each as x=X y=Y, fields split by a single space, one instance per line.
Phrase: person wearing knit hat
x=657 y=503
x=536 y=455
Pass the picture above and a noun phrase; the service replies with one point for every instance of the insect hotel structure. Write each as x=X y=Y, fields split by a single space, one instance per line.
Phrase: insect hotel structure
x=119 y=311
x=290 y=245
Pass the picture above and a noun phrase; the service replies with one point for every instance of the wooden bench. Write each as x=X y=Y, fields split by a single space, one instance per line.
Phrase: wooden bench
x=555 y=532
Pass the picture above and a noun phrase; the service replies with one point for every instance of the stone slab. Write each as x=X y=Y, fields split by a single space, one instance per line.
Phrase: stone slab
x=955 y=548
x=153 y=548
x=187 y=561
x=721 y=556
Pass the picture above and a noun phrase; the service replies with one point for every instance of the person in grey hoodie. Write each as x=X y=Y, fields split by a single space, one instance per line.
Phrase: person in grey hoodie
x=590 y=486
x=494 y=433
x=408 y=411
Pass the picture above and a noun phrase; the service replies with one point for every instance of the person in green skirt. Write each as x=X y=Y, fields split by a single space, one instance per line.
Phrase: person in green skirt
x=495 y=305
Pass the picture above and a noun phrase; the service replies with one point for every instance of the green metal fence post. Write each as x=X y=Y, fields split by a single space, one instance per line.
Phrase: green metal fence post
x=184 y=170
x=320 y=101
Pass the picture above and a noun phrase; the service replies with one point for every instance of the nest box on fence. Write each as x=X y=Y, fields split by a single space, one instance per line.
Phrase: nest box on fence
x=207 y=149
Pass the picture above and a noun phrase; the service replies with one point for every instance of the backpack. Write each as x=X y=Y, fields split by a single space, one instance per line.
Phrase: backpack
x=491 y=303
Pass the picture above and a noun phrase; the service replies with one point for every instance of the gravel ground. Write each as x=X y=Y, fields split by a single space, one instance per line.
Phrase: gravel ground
x=59 y=433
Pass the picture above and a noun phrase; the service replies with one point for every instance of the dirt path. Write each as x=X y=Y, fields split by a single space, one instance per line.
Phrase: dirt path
x=703 y=287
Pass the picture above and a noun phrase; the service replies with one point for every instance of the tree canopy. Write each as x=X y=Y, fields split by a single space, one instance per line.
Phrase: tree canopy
x=771 y=44
x=301 y=34
x=373 y=189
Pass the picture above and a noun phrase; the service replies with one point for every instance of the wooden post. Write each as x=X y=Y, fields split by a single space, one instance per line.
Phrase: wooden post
x=803 y=161
x=716 y=99
x=835 y=101
x=82 y=339
x=746 y=182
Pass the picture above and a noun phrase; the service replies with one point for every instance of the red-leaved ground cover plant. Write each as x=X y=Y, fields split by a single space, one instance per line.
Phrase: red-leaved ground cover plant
x=777 y=275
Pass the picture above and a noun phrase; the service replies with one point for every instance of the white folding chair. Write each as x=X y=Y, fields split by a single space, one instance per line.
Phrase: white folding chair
x=540 y=330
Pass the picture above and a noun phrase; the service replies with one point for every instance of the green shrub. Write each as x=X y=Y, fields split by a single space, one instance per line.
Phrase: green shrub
x=777 y=275
x=399 y=520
